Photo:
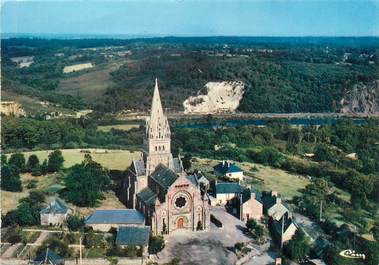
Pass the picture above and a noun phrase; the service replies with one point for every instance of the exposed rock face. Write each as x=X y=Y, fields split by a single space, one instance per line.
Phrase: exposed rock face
x=362 y=98
x=220 y=97
x=12 y=108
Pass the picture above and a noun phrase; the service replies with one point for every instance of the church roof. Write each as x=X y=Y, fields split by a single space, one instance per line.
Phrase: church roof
x=164 y=176
x=147 y=196
x=135 y=236
x=178 y=168
x=124 y=216
x=193 y=179
x=56 y=206
x=138 y=166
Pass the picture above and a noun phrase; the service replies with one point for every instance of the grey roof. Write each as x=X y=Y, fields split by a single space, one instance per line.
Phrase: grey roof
x=178 y=168
x=147 y=196
x=246 y=195
x=228 y=187
x=164 y=176
x=203 y=180
x=193 y=179
x=226 y=167
x=48 y=257
x=139 y=167
x=57 y=206
x=124 y=216
x=132 y=235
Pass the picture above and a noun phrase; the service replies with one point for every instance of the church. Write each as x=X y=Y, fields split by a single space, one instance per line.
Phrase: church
x=158 y=187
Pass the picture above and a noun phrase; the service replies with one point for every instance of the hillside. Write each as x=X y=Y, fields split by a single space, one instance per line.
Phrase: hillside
x=281 y=75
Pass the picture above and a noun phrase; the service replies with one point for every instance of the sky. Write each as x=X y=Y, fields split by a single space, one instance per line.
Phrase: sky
x=193 y=17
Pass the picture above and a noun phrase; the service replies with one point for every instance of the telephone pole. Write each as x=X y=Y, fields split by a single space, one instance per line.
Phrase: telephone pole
x=320 y=210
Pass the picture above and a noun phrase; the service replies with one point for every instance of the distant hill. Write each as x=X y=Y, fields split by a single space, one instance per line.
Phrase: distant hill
x=280 y=74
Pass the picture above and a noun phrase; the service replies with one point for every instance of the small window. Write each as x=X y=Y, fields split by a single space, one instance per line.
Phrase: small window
x=156 y=148
x=163 y=148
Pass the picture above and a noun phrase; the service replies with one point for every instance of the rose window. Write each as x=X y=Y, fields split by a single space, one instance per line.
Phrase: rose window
x=180 y=202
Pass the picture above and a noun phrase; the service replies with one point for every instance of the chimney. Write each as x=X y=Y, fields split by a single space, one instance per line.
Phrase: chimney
x=278 y=200
x=274 y=193
x=223 y=162
x=228 y=164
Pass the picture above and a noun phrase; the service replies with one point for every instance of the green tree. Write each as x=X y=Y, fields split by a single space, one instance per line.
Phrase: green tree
x=10 y=178
x=75 y=222
x=156 y=244
x=17 y=160
x=255 y=228
x=187 y=161
x=85 y=182
x=33 y=161
x=56 y=245
x=297 y=248
x=375 y=230
x=55 y=161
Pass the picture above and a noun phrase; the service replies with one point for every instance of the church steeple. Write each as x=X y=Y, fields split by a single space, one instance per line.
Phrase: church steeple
x=157 y=127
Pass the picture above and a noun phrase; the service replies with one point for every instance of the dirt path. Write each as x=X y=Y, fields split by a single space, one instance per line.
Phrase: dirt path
x=42 y=237
x=9 y=252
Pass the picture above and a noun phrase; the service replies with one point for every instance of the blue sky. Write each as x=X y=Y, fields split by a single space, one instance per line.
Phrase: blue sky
x=194 y=18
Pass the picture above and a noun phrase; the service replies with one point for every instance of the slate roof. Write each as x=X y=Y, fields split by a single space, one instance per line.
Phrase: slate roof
x=139 y=167
x=48 y=257
x=287 y=223
x=124 y=216
x=57 y=206
x=178 y=168
x=228 y=187
x=193 y=179
x=132 y=235
x=246 y=195
x=226 y=167
x=164 y=176
x=203 y=180
x=147 y=196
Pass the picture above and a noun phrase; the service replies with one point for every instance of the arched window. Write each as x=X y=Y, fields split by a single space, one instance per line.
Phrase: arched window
x=163 y=148
x=156 y=148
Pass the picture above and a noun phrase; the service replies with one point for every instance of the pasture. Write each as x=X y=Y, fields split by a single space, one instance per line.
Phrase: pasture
x=123 y=127
x=111 y=159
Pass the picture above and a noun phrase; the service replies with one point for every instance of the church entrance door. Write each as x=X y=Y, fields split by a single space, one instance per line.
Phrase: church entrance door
x=180 y=223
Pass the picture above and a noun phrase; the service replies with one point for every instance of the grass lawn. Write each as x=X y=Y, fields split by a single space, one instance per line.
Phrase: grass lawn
x=112 y=159
x=288 y=185
x=92 y=253
x=124 y=127
x=31 y=236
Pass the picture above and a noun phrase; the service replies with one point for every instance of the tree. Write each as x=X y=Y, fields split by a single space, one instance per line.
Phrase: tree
x=255 y=228
x=44 y=167
x=156 y=244
x=85 y=182
x=55 y=161
x=56 y=245
x=75 y=222
x=297 y=248
x=187 y=161
x=17 y=160
x=375 y=230
x=10 y=178
x=33 y=161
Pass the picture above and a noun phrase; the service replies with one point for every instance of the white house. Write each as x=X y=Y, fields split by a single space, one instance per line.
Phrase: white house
x=55 y=213
x=229 y=170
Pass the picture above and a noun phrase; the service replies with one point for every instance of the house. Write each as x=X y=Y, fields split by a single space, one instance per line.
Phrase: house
x=273 y=206
x=251 y=206
x=55 y=213
x=284 y=228
x=229 y=170
x=226 y=191
x=104 y=220
x=48 y=257
x=134 y=236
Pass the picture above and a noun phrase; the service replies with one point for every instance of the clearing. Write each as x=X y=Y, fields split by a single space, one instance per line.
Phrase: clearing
x=76 y=67
x=123 y=127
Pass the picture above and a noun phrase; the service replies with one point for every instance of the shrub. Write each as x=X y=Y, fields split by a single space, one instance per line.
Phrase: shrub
x=33 y=161
x=75 y=222
x=156 y=244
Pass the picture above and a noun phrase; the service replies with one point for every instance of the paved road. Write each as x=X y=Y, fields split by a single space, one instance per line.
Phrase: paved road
x=9 y=252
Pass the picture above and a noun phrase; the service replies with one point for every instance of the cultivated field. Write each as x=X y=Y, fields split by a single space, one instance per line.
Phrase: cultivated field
x=112 y=159
x=90 y=84
x=76 y=67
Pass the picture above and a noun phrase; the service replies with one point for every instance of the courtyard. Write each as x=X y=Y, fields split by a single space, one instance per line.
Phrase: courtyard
x=215 y=245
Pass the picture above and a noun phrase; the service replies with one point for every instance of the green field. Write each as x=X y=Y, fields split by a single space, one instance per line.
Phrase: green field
x=288 y=185
x=112 y=159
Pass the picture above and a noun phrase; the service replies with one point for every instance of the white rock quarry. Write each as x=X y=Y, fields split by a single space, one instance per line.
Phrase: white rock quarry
x=221 y=97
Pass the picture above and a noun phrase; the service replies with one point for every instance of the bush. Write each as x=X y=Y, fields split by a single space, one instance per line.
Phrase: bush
x=156 y=244
x=33 y=162
x=75 y=222
x=32 y=184
x=37 y=171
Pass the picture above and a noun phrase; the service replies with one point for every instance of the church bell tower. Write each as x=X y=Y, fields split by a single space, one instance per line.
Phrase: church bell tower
x=157 y=139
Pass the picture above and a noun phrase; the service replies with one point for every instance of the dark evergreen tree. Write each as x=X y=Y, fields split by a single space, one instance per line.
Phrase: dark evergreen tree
x=55 y=161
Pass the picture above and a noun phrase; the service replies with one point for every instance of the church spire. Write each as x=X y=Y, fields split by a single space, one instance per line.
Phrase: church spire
x=157 y=127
